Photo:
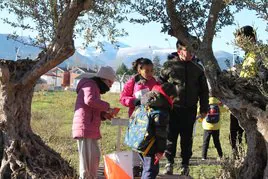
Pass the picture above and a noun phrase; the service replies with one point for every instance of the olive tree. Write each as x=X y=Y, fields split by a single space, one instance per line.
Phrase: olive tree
x=195 y=23
x=56 y=23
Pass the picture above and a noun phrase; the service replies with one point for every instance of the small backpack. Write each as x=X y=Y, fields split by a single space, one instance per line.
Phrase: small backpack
x=213 y=114
x=139 y=135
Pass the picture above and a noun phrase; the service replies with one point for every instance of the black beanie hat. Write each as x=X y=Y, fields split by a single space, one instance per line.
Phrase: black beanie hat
x=169 y=89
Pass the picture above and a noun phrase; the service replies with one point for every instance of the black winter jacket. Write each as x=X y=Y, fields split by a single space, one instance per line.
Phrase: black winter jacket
x=190 y=82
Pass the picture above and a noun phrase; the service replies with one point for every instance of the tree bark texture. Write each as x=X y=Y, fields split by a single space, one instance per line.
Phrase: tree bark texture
x=248 y=105
x=24 y=154
x=263 y=128
x=238 y=94
x=256 y=159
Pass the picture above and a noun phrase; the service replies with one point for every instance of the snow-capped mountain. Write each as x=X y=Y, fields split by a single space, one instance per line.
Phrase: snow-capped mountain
x=113 y=55
x=130 y=54
x=11 y=49
x=224 y=58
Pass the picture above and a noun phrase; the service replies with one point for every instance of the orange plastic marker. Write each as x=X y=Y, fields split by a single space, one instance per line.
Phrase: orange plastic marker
x=115 y=111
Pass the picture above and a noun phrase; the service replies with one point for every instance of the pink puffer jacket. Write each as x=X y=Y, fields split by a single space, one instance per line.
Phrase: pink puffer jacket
x=87 y=120
x=127 y=96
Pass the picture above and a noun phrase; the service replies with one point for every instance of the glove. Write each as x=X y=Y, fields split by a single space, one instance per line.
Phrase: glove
x=137 y=102
x=106 y=115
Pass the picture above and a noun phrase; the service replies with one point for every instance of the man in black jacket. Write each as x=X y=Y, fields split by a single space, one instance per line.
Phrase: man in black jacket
x=187 y=75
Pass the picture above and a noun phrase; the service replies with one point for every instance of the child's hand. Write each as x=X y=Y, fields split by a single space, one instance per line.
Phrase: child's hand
x=157 y=157
x=106 y=115
x=102 y=116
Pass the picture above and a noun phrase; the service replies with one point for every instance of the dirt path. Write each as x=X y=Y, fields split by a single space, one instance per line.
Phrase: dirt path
x=193 y=162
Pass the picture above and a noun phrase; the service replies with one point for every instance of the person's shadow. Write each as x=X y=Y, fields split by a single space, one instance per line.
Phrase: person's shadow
x=174 y=176
x=195 y=161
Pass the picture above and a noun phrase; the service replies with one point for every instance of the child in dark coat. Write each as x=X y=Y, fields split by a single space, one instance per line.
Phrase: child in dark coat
x=160 y=99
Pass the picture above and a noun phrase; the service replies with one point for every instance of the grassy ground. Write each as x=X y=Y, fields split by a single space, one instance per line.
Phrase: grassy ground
x=52 y=114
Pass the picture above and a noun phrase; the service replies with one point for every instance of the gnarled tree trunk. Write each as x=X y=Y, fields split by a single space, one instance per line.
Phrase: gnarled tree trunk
x=25 y=155
x=263 y=128
x=240 y=96
x=256 y=158
x=247 y=103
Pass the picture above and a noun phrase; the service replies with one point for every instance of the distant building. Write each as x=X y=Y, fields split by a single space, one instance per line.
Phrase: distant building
x=79 y=77
x=76 y=72
x=41 y=85
x=60 y=78
x=116 y=87
x=48 y=81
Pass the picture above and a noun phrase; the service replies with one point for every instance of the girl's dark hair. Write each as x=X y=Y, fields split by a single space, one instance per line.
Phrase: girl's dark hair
x=247 y=31
x=140 y=62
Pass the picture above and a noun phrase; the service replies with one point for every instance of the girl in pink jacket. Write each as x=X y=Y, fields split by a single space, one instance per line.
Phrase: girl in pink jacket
x=89 y=111
x=134 y=89
x=139 y=84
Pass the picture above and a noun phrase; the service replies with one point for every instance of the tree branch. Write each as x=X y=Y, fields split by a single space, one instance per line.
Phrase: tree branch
x=178 y=30
x=216 y=7
x=209 y=61
x=61 y=47
x=54 y=11
x=260 y=7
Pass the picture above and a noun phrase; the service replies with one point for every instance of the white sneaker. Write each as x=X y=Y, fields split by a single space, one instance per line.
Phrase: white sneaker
x=168 y=169
x=184 y=170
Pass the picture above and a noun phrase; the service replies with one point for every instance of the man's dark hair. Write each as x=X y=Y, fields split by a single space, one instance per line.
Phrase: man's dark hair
x=179 y=43
x=195 y=43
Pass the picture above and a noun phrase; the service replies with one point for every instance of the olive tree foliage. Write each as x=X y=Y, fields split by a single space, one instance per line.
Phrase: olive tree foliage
x=195 y=23
x=261 y=78
x=260 y=9
x=122 y=69
x=157 y=65
x=41 y=17
x=56 y=23
x=260 y=48
x=259 y=6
